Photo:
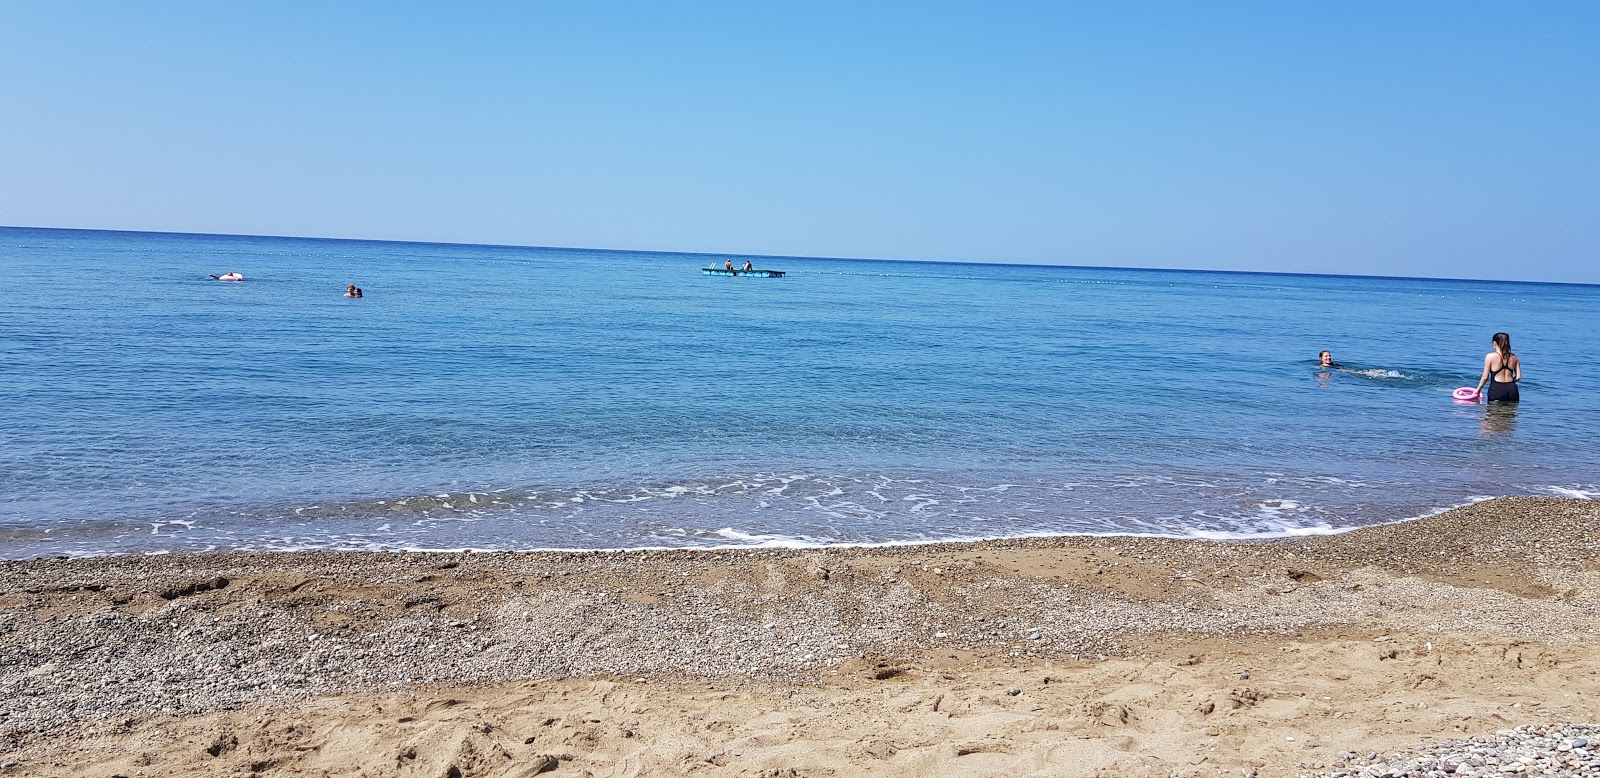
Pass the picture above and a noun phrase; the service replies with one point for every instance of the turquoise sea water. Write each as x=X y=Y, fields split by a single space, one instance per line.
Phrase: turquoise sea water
x=494 y=397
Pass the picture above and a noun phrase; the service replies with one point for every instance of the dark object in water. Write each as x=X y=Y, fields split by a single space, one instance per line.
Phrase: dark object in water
x=717 y=271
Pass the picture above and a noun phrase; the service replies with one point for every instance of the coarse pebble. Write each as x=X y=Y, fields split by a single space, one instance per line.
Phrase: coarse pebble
x=1545 y=750
x=97 y=641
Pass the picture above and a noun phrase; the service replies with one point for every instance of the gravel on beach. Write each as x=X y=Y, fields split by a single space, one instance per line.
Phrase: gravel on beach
x=1561 y=749
x=94 y=644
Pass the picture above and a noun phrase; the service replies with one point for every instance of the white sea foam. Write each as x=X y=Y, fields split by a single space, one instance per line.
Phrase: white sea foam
x=1581 y=494
x=754 y=540
x=1271 y=530
x=1002 y=488
x=1267 y=531
x=1273 y=509
x=633 y=498
x=1273 y=520
x=156 y=526
x=821 y=511
x=1278 y=479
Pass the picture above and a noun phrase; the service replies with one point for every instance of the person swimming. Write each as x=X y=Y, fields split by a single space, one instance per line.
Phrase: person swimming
x=1498 y=363
x=352 y=291
x=1325 y=360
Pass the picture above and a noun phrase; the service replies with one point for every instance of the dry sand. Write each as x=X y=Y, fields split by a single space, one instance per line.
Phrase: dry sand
x=1060 y=656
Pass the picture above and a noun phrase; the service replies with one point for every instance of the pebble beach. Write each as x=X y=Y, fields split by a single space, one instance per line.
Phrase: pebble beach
x=1459 y=644
x=765 y=390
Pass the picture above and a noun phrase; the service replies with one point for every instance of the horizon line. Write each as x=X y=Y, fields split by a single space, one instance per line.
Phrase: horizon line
x=796 y=256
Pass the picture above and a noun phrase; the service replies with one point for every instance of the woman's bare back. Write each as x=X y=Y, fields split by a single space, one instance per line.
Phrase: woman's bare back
x=1504 y=369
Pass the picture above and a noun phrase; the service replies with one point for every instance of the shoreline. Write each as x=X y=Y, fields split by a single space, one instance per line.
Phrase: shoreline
x=1199 y=535
x=1118 y=641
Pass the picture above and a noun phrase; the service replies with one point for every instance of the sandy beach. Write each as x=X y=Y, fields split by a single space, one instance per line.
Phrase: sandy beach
x=1070 y=656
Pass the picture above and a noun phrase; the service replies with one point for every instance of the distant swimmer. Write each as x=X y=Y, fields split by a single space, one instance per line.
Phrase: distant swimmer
x=747 y=268
x=1501 y=371
x=352 y=291
x=228 y=277
x=1325 y=360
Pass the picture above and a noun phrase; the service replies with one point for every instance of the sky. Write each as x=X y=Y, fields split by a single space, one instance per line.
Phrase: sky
x=1446 y=138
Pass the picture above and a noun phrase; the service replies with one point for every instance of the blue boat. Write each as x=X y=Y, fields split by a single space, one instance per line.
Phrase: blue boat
x=717 y=271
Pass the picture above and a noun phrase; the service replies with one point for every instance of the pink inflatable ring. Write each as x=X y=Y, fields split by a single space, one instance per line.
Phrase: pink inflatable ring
x=1466 y=393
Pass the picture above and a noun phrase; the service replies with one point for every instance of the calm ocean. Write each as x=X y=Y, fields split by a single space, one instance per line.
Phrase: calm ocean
x=524 y=398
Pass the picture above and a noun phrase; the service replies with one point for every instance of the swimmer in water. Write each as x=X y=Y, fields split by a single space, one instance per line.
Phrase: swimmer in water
x=1501 y=370
x=1325 y=360
x=352 y=291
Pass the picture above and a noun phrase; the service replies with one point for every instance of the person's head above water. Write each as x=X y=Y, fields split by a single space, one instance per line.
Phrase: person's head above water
x=1325 y=358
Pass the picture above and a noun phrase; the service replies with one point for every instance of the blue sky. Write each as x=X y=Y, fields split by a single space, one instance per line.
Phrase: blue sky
x=1415 y=138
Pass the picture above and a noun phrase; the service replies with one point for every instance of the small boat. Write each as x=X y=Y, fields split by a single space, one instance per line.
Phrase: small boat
x=717 y=271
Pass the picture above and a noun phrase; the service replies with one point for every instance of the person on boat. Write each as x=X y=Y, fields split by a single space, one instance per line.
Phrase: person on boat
x=1325 y=361
x=1501 y=371
x=747 y=268
x=352 y=291
x=727 y=265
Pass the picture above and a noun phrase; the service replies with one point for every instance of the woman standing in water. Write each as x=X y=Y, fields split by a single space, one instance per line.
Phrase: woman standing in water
x=1501 y=370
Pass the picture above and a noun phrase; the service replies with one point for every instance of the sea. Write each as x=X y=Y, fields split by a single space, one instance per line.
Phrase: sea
x=496 y=397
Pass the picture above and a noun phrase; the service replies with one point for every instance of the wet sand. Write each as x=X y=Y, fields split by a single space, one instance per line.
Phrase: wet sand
x=1059 y=656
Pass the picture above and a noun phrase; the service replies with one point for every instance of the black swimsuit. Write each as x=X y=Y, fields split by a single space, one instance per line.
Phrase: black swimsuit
x=1503 y=391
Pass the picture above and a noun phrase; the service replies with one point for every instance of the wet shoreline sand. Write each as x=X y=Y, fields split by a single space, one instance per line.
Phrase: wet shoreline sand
x=1047 y=656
